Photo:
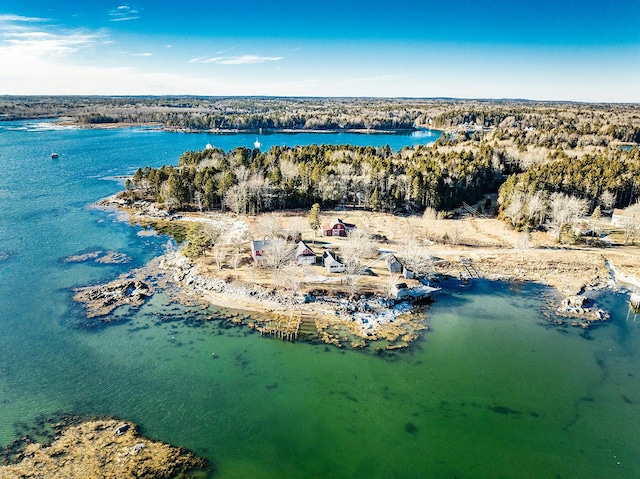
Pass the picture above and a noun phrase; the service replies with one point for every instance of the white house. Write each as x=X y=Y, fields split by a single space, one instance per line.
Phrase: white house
x=332 y=264
x=618 y=218
x=304 y=254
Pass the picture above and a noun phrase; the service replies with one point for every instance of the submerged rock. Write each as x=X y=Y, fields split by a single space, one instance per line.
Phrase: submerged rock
x=102 y=299
x=91 y=449
x=584 y=314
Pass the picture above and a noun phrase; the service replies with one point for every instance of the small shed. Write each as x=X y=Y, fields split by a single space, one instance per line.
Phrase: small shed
x=393 y=264
x=304 y=254
x=337 y=227
x=257 y=251
x=331 y=263
x=401 y=291
x=407 y=273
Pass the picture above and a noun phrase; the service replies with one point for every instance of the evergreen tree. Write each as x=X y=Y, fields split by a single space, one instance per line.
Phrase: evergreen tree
x=314 y=219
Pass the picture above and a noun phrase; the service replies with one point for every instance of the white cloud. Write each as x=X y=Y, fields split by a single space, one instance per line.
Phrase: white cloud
x=26 y=45
x=10 y=18
x=239 y=60
x=248 y=59
x=145 y=54
x=124 y=13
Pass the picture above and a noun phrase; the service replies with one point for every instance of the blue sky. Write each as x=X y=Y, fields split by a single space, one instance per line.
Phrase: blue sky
x=546 y=50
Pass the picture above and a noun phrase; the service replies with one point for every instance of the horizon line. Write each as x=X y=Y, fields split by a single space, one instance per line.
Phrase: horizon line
x=323 y=97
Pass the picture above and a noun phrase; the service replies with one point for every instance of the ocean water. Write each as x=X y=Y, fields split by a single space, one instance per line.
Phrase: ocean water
x=489 y=392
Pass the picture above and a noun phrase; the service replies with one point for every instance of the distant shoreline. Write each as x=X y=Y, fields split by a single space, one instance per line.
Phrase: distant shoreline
x=234 y=131
x=68 y=122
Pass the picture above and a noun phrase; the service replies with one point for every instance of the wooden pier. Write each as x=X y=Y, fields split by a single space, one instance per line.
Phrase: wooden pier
x=288 y=326
x=467 y=264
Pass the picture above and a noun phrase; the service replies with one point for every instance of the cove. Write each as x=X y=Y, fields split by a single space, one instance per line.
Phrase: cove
x=489 y=392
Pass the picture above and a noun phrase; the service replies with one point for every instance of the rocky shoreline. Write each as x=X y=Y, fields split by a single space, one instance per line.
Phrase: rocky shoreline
x=104 y=448
x=102 y=299
x=364 y=319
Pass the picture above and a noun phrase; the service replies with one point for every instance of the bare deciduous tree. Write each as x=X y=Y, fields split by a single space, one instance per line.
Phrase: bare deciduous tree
x=563 y=210
x=458 y=230
x=631 y=225
x=515 y=208
x=212 y=231
x=607 y=200
x=278 y=254
x=429 y=219
x=269 y=226
x=236 y=259
x=536 y=208
x=392 y=281
x=415 y=258
x=522 y=244
x=219 y=254
x=293 y=276
x=355 y=250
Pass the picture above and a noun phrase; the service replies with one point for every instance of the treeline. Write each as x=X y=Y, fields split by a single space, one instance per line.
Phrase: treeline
x=229 y=113
x=548 y=124
x=250 y=181
x=607 y=179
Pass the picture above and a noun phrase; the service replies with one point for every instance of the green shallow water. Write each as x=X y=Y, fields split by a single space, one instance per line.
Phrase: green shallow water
x=489 y=392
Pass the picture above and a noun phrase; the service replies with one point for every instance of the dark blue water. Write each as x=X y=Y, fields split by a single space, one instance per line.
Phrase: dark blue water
x=489 y=393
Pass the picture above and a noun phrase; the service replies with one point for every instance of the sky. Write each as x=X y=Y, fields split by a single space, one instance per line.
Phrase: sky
x=540 y=50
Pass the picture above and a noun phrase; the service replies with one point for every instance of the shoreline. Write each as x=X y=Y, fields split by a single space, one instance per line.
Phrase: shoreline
x=234 y=131
x=369 y=319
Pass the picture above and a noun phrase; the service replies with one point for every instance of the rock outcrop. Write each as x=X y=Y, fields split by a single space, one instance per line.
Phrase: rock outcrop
x=102 y=299
x=95 y=449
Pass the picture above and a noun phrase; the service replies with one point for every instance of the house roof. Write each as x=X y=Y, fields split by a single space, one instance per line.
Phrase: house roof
x=329 y=259
x=335 y=222
x=259 y=245
x=301 y=247
x=618 y=212
x=390 y=259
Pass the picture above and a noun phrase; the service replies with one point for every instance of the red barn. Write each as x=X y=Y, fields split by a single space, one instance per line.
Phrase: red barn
x=337 y=228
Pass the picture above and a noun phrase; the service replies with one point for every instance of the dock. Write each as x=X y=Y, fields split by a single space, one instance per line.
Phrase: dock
x=289 y=326
x=467 y=264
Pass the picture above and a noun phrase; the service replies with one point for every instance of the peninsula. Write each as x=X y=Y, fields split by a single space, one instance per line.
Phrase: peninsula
x=510 y=191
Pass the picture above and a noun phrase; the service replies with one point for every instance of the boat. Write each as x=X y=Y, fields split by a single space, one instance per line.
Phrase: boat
x=54 y=155
x=257 y=144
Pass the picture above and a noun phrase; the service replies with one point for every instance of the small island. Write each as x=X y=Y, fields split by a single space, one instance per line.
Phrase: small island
x=106 y=448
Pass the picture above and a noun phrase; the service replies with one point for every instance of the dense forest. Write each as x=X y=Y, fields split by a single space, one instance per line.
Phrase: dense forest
x=249 y=181
x=534 y=157
x=603 y=122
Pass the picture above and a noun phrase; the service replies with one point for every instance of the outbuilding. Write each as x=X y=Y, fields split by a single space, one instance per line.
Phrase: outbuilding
x=337 y=228
x=331 y=263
